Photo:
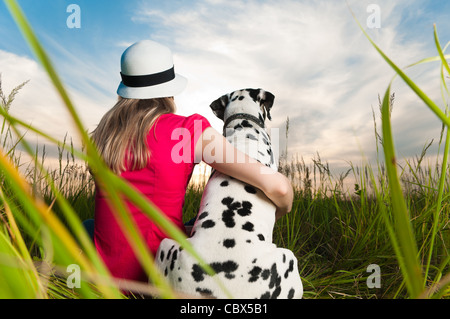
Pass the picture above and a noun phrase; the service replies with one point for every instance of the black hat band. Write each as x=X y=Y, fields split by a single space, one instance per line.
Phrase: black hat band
x=137 y=81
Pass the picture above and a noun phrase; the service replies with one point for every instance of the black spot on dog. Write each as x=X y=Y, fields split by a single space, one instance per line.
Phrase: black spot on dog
x=254 y=260
x=246 y=209
x=228 y=133
x=261 y=237
x=179 y=279
x=251 y=137
x=197 y=273
x=229 y=243
x=174 y=258
x=228 y=214
x=290 y=269
x=170 y=252
x=227 y=201
x=253 y=94
x=161 y=255
x=256 y=131
x=241 y=98
x=203 y=215
x=254 y=274
x=224 y=184
x=208 y=224
x=276 y=293
x=275 y=282
x=269 y=151
x=284 y=258
x=266 y=142
x=246 y=123
x=248 y=227
x=291 y=293
x=204 y=292
x=275 y=279
x=227 y=267
x=250 y=189
x=265 y=295
x=238 y=127
x=228 y=218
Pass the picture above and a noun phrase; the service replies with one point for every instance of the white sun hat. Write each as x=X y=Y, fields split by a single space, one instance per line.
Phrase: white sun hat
x=148 y=72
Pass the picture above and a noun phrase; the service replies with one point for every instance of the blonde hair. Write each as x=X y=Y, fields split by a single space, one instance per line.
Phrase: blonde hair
x=121 y=135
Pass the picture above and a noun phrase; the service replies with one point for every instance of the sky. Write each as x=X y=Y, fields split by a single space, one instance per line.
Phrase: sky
x=325 y=75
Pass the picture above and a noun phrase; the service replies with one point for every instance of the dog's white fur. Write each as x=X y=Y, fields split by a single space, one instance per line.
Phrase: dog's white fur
x=233 y=230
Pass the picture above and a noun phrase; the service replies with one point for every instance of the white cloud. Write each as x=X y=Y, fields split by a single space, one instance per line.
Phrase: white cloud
x=311 y=55
x=39 y=104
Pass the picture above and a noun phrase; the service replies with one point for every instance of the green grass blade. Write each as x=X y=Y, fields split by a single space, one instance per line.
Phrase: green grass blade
x=17 y=279
x=41 y=55
x=102 y=174
x=16 y=121
x=39 y=211
x=78 y=229
x=96 y=163
x=439 y=49
x=411 y=270
x=13 y=228
x=166 y=225
x=444 y=162
x=429 y=102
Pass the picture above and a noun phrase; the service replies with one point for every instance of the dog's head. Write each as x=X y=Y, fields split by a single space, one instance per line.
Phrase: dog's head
x=255 y=102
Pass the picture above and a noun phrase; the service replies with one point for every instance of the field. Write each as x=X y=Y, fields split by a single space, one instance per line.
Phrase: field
x=336 y=233
x=387 y=236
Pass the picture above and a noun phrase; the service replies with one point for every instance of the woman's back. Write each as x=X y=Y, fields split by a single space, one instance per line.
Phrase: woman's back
x=163 y=181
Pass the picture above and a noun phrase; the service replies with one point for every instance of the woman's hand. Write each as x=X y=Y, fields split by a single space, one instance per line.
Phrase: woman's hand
x=282 y=195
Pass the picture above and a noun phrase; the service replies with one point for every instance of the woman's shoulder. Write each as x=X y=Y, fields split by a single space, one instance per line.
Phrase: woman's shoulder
x=182 y=117
x=183 y=120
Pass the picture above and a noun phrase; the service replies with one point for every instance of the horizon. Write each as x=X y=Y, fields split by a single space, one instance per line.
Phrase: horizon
x=311 y=55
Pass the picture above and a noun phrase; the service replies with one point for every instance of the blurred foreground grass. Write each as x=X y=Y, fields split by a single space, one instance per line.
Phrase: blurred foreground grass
x=396 y=216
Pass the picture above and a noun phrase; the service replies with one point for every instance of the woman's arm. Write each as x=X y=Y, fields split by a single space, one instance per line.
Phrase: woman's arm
x=214 y=149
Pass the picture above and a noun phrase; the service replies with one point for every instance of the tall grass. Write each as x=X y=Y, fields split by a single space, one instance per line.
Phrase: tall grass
x=402 y=237
x=394 y=214
x=64 y=246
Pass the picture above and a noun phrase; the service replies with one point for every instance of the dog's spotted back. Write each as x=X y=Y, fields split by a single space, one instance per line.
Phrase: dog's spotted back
x=233 y=230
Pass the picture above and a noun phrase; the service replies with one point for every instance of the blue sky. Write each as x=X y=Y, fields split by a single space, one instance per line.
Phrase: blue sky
x=310 y=54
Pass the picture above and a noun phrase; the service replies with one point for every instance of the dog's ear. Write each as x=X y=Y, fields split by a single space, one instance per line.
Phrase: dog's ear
x=266 y=103
x=265 y=100
x=218 y=106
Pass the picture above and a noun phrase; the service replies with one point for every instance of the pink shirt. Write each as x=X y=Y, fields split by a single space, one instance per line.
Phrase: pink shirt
x=171 y=142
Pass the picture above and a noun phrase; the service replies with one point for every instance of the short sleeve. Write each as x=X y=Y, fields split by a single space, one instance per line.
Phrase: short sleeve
x=196 y=124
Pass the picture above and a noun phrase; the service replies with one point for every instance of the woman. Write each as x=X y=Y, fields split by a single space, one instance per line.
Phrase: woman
x=135 y=140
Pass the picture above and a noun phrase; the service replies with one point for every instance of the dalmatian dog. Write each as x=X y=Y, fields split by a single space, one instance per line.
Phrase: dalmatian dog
x=233 y=230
